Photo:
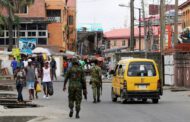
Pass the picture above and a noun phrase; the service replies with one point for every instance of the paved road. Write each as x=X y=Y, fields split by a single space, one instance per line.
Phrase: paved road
x=173 y=107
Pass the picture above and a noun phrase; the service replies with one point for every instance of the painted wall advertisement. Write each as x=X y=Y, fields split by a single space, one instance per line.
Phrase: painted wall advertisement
x=26 y=45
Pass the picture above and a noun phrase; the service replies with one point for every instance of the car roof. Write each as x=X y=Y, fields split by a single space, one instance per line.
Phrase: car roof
x=135 y=60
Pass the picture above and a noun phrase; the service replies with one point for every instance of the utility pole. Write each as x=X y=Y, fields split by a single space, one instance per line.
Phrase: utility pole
x=162 y=26
x=176 y=23
x=132 y=25
x=145 y=37
x=139 y=29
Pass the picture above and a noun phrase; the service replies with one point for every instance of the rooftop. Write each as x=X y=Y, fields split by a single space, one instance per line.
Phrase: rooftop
x=125 y=33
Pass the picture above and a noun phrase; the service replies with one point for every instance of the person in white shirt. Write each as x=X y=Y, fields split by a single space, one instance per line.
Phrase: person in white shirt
x=46 y=79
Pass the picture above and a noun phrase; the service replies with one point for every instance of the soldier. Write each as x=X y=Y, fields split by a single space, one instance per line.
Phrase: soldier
x=77 y=84
x=96 y=81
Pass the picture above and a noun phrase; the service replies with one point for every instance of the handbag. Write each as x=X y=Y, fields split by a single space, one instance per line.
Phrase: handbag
x=50 y=89
x=38 y=88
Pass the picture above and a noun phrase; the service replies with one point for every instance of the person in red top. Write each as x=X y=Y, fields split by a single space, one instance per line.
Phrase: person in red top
x=65 y=66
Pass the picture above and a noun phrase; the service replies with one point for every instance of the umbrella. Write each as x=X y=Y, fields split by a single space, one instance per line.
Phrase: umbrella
x=41 y=50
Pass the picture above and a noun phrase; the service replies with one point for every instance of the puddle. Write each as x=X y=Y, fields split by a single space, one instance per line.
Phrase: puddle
x=16 y=118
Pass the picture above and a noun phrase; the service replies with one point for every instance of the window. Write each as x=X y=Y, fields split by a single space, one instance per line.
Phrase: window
x=134 y=42
x=31 y=34
x=141 y=69
x=22 y=34
x=2 y=34
x=121 y=70
x=115 y=43
x=53 y=13
x=42 y=41
x=42 y=34
x=123 y=43
x=129 y=43
x=23 y=27
x=2 y=41
x=23 y=10
x=70 y=20
x=7 y=41
x=31 y=27
x=42 y=27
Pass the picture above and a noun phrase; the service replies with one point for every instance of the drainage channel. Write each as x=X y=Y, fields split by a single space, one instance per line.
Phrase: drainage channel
x=10 y=101
x=16 y=118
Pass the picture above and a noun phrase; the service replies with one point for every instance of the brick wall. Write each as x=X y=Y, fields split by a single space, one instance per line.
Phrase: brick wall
x=35 y=10
x=55 y=35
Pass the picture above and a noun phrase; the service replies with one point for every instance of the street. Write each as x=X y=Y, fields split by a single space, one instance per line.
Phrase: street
x=173 y=107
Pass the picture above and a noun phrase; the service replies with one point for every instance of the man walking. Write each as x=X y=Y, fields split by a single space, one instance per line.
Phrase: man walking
x=30 y=78
x=53 y=68
x=96 y=81
x=77 y=83
x=14 y=65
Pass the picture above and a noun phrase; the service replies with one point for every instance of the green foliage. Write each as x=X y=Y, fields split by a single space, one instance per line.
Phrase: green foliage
x=12 y=7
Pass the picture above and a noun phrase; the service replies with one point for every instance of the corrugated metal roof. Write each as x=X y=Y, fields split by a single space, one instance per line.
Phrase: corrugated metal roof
x=125 y=33
x=183 y=5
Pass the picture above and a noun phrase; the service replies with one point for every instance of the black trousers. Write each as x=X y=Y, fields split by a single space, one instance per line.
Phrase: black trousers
x=19 y=88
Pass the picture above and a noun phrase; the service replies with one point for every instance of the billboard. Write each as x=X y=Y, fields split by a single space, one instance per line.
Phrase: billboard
x=26 y=45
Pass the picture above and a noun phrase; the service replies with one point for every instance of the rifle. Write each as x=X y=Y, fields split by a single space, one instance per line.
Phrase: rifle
x=100 y=78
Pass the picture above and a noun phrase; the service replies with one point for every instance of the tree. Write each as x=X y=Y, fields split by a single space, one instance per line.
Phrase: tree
x=12 y=7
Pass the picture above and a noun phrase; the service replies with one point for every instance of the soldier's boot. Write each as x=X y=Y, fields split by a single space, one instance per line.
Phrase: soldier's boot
x=94 y=100
x=98 y=100
x=77 y=115
x=71 y=113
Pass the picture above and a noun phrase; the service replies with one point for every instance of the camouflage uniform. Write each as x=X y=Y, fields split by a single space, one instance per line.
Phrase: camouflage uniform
x=76 y=84
x=96 y=82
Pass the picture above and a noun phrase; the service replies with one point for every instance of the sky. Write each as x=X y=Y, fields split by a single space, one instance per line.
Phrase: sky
x=108 y=13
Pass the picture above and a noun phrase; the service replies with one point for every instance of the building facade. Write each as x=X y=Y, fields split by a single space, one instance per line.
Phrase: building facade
x=48 y=22
x=119 y=39
x=185 y=9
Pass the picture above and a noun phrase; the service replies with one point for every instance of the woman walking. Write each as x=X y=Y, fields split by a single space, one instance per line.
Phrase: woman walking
x=30 y=78
x=46 y=79
x=20 y=79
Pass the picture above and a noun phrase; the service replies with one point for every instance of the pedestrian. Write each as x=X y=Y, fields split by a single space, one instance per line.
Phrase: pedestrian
x=25 y=62
x=20 y=79
x=30 y=78
x=96 y=81
x=14 y=65
x=46 y=79
x=70 y=64
x=38 y=79
x=77 y=84
x=53 y=68
x=65 y=66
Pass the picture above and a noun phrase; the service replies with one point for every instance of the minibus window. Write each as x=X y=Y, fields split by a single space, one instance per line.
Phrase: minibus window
x=121 y=70
x=141 y=69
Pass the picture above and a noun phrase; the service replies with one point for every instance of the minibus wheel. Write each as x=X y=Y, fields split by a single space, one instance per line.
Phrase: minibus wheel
x=113 y=96
x=155 y=101
x=144 y=100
